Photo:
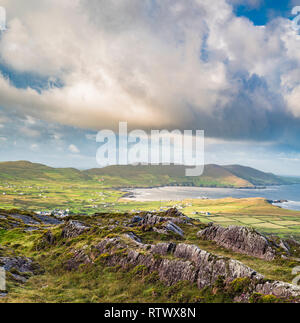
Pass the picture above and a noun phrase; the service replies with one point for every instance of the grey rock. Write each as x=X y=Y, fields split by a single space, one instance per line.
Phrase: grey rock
x=48 y=220
x=21 y=264
x=278 y=289
x=152 y=219
x=173 y=212
x=80 y=257
x=163 y=248
x=170 y=226
x=240 y=239
x=136 y=219
x=132 y=236
x=284 y=245
x=192 y=264
x=73 y=229
x=25 y=219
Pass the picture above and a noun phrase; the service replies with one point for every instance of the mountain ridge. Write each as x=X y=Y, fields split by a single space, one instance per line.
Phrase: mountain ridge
x=146 y=176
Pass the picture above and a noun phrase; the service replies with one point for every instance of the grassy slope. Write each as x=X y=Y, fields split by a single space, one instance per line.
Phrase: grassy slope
x=98 y=283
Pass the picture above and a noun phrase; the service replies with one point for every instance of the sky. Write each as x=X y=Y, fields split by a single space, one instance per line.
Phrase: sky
x=70 y=68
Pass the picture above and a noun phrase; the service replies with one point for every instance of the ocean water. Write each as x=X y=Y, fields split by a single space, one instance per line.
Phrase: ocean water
x=283 y=192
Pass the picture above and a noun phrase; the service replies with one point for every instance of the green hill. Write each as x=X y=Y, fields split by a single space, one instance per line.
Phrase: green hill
x=255 y=176
x=24 y=170
x=142 y=176
x=213 y=176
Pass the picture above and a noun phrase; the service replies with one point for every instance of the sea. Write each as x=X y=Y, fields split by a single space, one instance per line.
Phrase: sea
x=289 y=193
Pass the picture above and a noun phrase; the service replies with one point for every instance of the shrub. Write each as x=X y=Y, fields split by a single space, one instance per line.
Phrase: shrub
x=239 y=286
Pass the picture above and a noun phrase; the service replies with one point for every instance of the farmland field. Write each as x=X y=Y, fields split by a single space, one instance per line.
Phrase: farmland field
x=92 y=197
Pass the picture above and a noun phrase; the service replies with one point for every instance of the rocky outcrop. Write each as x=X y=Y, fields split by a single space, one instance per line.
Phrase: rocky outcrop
x=73 y=229
x=169 y=227
x=278 y=289
x=20 y=267
x=152 y=219
x=240 y=239
x=189 y=263
x=173 y=212
x=27 y=221
x=80 y=257
x=133 y=237
x=183 y=262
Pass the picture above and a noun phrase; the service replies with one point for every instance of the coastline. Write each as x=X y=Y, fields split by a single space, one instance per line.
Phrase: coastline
x=281 y=196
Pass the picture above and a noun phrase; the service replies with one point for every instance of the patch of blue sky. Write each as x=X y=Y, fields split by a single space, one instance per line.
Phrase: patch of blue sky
x=24 y=80
x=268 y=10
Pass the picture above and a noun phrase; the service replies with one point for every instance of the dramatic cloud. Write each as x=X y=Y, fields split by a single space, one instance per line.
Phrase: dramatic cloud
x=156 y=64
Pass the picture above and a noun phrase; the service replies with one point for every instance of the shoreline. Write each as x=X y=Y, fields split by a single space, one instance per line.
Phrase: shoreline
x=170 y=193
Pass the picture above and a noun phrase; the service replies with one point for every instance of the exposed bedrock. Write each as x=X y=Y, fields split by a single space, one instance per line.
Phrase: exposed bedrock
x=182 y=262
x=241 y=239
x=73 y=229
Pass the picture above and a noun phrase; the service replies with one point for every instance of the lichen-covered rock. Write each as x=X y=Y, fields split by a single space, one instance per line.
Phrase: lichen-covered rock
x=20 y=267
x=133 y=237
x=153 y=219
x=21 y=264
x=184 y=262
x=171 y=227
x=79 y=258
x=48 y=239
x=278 y=289
x=190 y=262
x=240 y=239
x=173 y=212
x=163 y=248
x=73 y=229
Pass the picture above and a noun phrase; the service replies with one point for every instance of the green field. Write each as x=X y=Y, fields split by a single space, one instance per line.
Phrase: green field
x=92 y=197
x=36 y=187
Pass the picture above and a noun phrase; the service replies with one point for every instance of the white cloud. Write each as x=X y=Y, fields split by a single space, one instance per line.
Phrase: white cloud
x=73 y=149
x=126 y=61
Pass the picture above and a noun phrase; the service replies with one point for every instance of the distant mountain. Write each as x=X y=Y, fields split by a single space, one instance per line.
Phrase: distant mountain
x=143 y=176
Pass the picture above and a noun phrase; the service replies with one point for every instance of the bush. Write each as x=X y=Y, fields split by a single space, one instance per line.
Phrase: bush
x=239 y=286
x=259 y=298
